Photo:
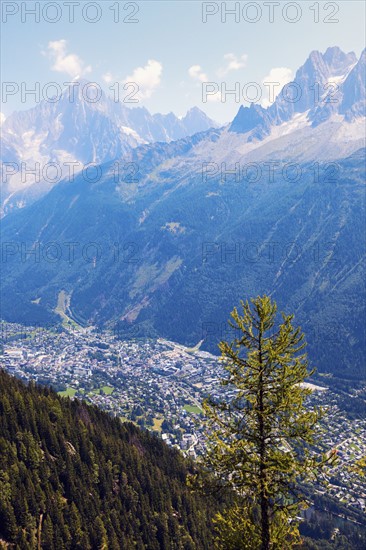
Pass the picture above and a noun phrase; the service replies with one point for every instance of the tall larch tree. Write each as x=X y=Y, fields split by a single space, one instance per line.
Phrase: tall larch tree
x=260 y=431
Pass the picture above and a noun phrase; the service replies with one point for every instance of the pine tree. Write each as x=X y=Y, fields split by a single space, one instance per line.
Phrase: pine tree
x=101 y=537
x=47 y=534
x=260 y=431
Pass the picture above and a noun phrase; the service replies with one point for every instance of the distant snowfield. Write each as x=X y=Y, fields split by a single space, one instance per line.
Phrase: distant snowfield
x=130 y=132
x=296 y=140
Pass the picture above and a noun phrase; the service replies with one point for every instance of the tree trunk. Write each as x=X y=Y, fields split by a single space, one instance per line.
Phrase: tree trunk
x=264 y=522
x=39 y=534
x=264 y=504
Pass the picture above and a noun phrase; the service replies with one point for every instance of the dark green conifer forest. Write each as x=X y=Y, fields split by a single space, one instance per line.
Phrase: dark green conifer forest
x=72 y=477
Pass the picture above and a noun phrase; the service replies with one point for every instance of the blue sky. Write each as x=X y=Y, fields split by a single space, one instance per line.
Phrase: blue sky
x=170 y=51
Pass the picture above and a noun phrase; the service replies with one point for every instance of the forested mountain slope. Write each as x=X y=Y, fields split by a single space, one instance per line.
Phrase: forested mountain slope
x=73 y=477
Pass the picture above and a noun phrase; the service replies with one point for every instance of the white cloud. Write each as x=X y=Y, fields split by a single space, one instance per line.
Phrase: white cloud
x=233 y=63
x=197 y=73
x=215 y=97
x=2 y=118
x=275 y=80
x=147 y=78
x=63 y=62
x=108 y=78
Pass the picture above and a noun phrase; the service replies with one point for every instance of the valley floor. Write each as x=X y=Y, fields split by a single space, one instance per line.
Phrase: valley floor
x=160 y=385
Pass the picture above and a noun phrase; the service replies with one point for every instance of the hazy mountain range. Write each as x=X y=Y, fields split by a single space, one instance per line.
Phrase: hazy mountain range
x=273 y=202
x=74 y=128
